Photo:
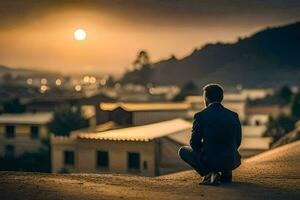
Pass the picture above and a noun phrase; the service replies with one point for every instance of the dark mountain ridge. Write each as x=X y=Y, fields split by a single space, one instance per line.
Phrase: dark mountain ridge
x=267 y=58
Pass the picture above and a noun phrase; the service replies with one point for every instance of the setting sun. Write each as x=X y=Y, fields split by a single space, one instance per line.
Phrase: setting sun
x=80 y=34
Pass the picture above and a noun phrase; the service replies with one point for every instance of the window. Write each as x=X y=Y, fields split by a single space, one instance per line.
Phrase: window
x=69 y=157
x=34 y=132
x=10 y=131
x=145 y=165
x=9 y=151
x=257 y=122
x=102 y=159
x=133 y=161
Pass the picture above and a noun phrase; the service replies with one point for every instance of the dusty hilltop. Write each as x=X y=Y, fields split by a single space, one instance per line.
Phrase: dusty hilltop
x=271 y=175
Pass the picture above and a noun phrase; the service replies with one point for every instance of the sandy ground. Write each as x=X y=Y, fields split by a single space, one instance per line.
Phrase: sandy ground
x=271 y=175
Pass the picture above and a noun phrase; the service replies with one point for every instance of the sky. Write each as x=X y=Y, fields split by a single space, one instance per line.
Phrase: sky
x=39 y=34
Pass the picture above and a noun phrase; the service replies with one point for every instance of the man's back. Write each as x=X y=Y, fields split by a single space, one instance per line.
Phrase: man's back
x=216 y=137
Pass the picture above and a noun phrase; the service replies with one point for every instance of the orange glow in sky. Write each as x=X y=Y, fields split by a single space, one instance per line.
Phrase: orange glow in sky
x=110 y=43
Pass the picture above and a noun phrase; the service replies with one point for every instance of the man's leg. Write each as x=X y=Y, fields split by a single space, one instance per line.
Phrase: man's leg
x=188 y=155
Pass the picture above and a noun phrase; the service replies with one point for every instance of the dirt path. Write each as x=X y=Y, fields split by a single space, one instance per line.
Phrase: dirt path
x=272 y=175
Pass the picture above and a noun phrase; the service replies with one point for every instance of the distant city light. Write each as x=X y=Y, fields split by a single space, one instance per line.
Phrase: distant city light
x=43 y=88
x=103 y=82
x=58 y=82
x=239 y=87
x=44 y=81
x=29 y=81
x=93 y=80
x=78 y=88
x=117 y=85
x=86 y=79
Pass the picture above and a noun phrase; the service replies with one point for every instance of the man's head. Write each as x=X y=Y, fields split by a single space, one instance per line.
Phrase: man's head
x=212 y=93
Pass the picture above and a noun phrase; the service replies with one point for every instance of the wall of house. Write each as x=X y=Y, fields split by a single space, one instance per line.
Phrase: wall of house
x=102 y=116
x=121 y=116
x=86 y=155
x=117 y=150
x=148 y=117
x=239 y=107
x=257 y=119
x=22 y=141
x=169 y=160
x=58 y=146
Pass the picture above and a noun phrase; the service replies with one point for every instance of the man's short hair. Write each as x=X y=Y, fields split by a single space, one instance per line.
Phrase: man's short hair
x=213 y=92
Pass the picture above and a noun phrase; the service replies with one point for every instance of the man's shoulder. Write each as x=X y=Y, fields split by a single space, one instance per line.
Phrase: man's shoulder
x=197 y=115
x=200 y=113
x=230 y=112
x=208 y=111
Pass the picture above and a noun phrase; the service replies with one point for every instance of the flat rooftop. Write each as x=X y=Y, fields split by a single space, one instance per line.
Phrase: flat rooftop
x=144 y=106
x=26 y=118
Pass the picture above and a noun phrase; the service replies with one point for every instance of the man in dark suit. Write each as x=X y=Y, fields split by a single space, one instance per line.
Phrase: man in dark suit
x=216 y=137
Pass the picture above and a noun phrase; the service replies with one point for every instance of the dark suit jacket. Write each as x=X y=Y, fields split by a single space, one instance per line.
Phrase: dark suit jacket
x=216 y=137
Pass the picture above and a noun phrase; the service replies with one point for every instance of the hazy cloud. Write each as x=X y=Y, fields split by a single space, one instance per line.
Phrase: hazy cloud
x=163 y=12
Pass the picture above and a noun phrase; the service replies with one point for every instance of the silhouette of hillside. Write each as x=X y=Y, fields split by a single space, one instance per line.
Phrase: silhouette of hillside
x=24 y=72
x=267 y=58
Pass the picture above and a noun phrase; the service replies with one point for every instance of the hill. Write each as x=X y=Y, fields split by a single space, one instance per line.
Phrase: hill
x=271 y=175
x=24 y=72
x=266 y=58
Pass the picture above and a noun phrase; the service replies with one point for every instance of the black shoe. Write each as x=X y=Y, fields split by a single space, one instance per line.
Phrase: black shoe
x=226 y=177
x=211 y=179
x=225 y=180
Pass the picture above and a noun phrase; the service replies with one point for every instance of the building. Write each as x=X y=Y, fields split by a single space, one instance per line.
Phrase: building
x=233 y=101
x=253 y=94
x=20 y=133
x=253 y=141
x=272 y=106
x=257 y=119
x=146 y=150
x=141 y=113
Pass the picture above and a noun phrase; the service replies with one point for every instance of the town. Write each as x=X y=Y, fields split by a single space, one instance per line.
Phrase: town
x=97 y=125
x=140 y=99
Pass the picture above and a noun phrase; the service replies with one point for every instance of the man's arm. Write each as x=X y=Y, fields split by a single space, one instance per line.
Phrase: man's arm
x=239 y=132
x=196 y=138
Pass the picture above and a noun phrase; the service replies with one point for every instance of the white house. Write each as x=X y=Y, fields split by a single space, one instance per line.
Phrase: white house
x=20 y=133
x=146 y=150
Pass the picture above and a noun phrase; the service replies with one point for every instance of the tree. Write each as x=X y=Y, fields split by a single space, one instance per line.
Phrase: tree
x=141 y=60
x=110 y=82
x=283 y=124
x=188 y=89
x=296 y=106
x=7 y=77
x=66 y=120
x=142 y=72
x=39 y=161
x=285 y=93
x=279 y=126
x=14 y=106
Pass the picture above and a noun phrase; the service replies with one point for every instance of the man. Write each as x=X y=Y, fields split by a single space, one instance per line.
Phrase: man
x=216 y=137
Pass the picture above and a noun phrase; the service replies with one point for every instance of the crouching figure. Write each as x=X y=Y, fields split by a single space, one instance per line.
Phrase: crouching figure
x=216 y=137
